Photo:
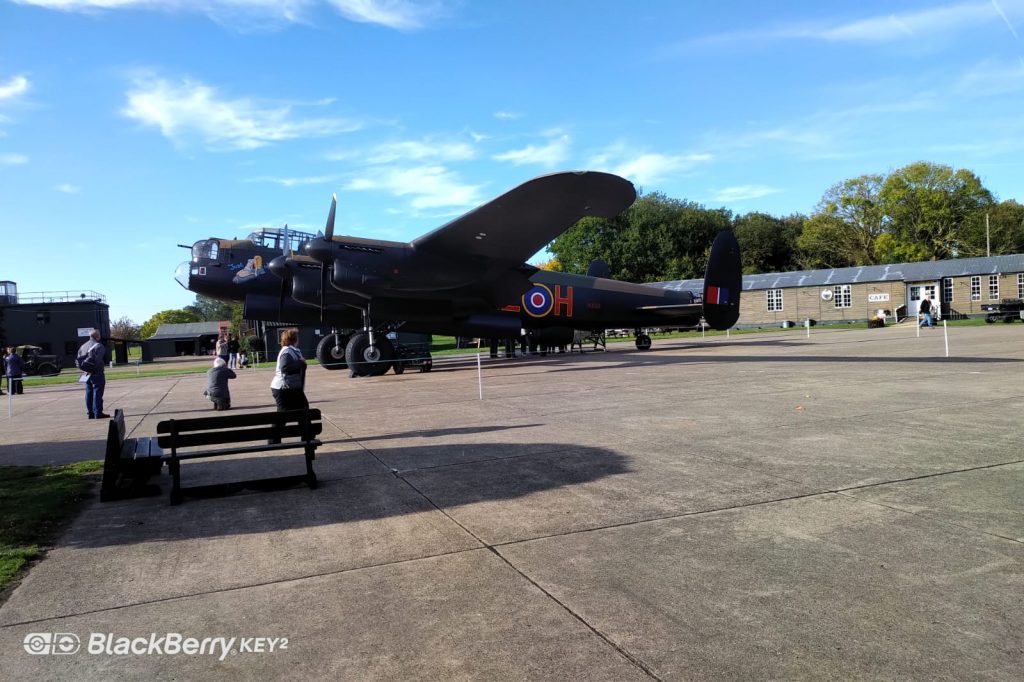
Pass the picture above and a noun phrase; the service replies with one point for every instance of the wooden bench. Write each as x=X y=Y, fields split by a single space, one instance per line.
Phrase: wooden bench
x=128 y=463
x=265 y=431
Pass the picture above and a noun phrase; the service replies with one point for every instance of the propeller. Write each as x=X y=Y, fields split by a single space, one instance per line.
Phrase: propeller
x=279 y=266
x=328 y=236
x=329 y=230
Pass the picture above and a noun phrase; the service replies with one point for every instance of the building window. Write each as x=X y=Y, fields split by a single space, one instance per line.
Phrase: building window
x=43 y=317
x=774 y=300
x=1020 y=285
x=975 y=288
x=841 y=295
x=947 y=290
x=993 y=287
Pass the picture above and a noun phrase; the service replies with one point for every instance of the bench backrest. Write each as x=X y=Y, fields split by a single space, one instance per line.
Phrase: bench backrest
x=238 y=428
x=115 y=434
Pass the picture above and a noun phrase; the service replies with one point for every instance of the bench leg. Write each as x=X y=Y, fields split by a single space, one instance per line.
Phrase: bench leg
x=310 y=476
x=174 y=466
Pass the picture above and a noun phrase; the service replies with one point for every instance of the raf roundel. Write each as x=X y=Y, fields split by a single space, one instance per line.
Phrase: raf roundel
x=537 y=301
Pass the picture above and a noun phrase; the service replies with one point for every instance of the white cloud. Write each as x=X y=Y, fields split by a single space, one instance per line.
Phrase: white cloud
x=299 y=182
x=551 y=154
x=68 y=188
x=397 y=14
x=429 y=187
x=884 y=28
x=419 y=150
x=644 y=167
x=743 y=192
x=13 y=159
x=190 y=109
x=990 y=77
x=18 y=85
x=507 y=115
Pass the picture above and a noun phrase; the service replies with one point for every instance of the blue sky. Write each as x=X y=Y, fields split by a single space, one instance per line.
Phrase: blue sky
x=130 y=126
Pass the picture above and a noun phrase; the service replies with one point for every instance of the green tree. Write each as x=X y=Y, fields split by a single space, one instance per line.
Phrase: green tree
x=933 y=206
x=1005 y=232
x=767 y=243
x=167 y=317
x=124 y=328
x=846 y=225
x=211 y=310
x=657 y=238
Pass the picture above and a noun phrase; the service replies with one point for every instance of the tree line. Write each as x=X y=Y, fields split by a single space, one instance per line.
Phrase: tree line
x=923 y=211
x=203 y=310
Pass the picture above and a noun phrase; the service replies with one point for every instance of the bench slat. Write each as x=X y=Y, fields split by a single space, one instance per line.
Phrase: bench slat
x=237 y=420
x=247 y=449
x=264 y=433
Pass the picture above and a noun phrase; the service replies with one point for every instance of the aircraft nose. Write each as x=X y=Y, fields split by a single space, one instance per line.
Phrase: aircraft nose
x=181 y=273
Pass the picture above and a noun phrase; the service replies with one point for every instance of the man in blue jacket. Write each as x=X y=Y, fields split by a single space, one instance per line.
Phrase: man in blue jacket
x=92 y=356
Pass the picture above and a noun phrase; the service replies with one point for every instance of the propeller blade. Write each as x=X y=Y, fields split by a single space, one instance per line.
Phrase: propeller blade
x=329 y=230
x=285 y=244
x=323 y=289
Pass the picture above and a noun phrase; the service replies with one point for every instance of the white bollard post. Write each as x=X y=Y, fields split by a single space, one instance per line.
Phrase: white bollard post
x=9 y=399
x=479 y=376
x=945 y=333
x=807 y=323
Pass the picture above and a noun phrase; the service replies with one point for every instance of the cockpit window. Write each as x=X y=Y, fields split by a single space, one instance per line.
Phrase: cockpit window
x=274 y=238
x=207 y=248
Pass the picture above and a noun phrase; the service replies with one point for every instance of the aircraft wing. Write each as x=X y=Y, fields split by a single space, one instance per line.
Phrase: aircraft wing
x=524 y=220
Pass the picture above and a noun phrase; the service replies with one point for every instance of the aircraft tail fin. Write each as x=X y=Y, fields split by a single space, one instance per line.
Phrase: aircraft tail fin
x=723 y=280
x=598 y=268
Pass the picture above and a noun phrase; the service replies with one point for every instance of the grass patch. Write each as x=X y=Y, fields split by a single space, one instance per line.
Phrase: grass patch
x=35 y=502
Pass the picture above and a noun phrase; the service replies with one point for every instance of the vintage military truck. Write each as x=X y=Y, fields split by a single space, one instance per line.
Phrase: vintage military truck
x=1007 y=310
x=35 y=362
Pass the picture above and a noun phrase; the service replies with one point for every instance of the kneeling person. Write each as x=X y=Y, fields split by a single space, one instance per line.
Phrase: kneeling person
x=217 y=384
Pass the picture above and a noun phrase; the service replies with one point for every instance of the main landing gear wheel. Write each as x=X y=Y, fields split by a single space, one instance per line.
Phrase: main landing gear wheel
x=365 y=360
x=330 y=354
x=643 y=342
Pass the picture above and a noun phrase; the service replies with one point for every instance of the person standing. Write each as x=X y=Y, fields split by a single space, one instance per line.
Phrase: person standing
x=13 y=367
x=289 y=381
x=232 y=352
x=91 y=358
x=221 y=348
x=926 y=312
x=217 y=384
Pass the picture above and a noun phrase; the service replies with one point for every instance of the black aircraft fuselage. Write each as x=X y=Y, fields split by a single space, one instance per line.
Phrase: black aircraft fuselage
x=467 y=278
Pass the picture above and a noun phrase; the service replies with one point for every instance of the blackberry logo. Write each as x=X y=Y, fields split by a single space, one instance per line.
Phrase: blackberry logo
x=55 y=643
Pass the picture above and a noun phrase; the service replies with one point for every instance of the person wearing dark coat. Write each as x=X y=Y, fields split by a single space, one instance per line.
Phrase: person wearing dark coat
x=13 y=367
x=217 y=384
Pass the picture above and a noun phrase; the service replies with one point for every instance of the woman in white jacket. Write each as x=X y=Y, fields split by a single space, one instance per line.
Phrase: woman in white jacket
x=290 y=374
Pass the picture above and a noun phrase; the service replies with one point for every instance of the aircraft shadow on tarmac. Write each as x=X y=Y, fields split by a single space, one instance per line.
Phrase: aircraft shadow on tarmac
x=349 y=491
x=434 y=433
x=647 y=360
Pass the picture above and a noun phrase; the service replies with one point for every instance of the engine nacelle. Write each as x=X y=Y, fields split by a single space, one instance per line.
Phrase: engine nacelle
x=345 y=277
x=491 y=326
x=553 y=336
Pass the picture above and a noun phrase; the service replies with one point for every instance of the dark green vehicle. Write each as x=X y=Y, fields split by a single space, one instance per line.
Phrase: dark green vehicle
x=36 y=363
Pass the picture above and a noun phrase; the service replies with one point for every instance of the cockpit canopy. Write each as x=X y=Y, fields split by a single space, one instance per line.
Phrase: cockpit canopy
x=206 y=248
x=280 y=239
